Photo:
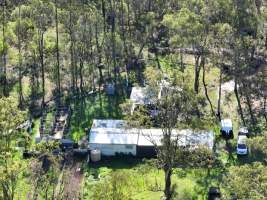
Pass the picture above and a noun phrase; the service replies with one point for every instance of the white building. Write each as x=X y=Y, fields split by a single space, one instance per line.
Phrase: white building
x=113 y=137
x=149 y=96
x=142 y=96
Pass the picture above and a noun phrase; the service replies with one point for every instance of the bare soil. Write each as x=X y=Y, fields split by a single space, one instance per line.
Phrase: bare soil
x=74 y=179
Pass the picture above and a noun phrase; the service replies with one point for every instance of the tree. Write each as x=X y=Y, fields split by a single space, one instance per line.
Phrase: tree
x=4 y=48
x=258 y=148
x=176 y=110
x=10 y=167
x=116 y=186
x=42 y=19
x=245 y=182
x=188 y=30
x=58 y=81
x=48 y=177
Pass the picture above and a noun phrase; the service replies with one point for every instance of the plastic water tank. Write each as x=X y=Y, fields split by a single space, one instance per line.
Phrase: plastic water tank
x=95 y=155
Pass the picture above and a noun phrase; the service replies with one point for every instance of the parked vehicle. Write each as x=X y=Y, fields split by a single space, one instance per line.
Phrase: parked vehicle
x=243 y=131
x=242 y=148
x=227 y=128
x=214 y=193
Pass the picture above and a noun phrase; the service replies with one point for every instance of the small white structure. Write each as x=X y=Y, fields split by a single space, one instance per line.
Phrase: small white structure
x=142 y=96
x=113 y=137
x=149 y=96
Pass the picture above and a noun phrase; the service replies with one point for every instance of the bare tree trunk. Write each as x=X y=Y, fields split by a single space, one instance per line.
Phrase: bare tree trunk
x=205 y=85
x=104 y=14
x=167 y=189
x=72 y=66
x=72 y=62
x=265 y=109
x=81 y=75
x=99 y=56
x=113 y=41
x=197 y=71
x=253 y=120
x=156 y=55
x=41 y=54
x=128 y=19
x=219 y=96
x=57 y=51
x=21 y=99
x=5 y=90
x=124 y=42
x=240 y=110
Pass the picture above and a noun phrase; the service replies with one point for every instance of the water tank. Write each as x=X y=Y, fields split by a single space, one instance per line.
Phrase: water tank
x=95 y=155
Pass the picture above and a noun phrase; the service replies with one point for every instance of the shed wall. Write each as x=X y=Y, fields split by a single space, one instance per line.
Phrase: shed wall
x=113 y=149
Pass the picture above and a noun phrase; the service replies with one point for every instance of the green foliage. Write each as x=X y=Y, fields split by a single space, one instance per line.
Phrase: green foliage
x=258 y=147
x=114 y=187
x=246 y=182
x=186 y=26
x=10 y=167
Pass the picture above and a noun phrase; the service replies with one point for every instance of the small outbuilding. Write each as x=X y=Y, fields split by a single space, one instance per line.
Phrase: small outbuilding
x=142 y=96
x=227 y=128
x=112 y=137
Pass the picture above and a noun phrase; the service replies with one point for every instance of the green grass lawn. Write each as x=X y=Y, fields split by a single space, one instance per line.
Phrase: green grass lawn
x=147 y=182
x=97 y=106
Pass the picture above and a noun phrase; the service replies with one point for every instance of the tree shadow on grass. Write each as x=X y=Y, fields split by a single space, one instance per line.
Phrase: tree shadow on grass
x=209 y=178
x=96 y=106
x=112 y=164
x=115 y=163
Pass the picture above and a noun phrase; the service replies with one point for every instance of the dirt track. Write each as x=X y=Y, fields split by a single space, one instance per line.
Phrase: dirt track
x=73 y=180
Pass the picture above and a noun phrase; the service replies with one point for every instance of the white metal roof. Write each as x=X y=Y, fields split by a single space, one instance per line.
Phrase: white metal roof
x=146 y=137
x=149 y=137
x=112 y=138
x=142 y=95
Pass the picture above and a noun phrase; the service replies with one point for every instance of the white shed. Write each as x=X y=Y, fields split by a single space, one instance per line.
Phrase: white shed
x=112 y=137
x=111 y=142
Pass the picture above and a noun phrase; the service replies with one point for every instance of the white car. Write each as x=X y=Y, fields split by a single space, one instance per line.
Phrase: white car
x=242 y=148
x=243 y=131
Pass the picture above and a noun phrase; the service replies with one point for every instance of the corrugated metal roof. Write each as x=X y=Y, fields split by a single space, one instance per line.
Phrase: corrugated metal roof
x=112 y=138
x=146 y=137
x=149 y=137
x=142 y=95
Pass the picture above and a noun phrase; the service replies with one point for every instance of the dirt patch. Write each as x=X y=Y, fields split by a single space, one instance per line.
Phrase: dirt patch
x=73 y=180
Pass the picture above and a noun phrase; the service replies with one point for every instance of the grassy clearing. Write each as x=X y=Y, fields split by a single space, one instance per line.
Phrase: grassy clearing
x=147 y=182
x=97 y=106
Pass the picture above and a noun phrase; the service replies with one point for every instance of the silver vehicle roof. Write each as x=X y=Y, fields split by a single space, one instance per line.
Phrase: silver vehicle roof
x=243 y=129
